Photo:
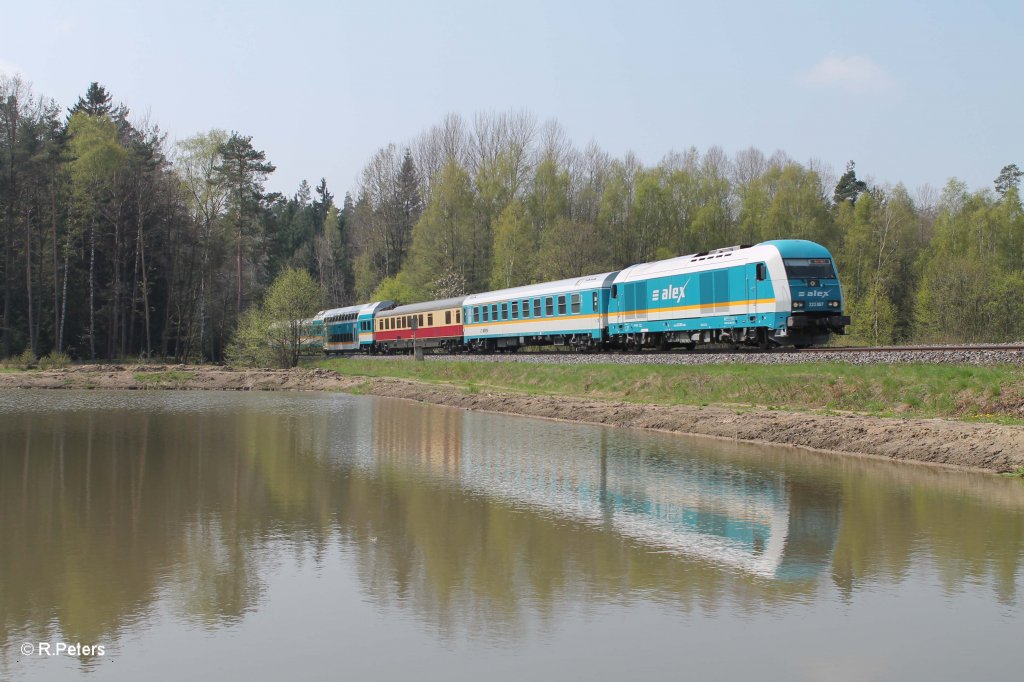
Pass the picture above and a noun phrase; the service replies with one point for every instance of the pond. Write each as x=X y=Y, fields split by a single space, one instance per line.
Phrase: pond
x=242 y=536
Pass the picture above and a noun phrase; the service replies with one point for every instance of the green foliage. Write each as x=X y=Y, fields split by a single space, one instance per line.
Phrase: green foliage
x=114 y=251
x=787 y=202
x=973 y=270
x=242 y=171
x=27 y=360
x=1008 y=179
x=910 y=390
x=514 y=248
x=250 y=345
x=849 y=187
x=55 y=360
x=448 y=236
x=874 y=317
x=268 y=335
x=397 y=289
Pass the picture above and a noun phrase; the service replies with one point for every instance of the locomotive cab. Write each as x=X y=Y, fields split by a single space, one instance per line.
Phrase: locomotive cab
x=817 y=299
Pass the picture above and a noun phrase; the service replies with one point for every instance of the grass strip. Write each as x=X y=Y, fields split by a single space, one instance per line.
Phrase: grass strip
x=993 y=393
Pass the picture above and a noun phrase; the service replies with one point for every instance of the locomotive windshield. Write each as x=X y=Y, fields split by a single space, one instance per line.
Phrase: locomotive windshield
x=809 y=268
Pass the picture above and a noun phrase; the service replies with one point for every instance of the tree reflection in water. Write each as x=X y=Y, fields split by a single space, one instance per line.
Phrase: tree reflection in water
x=113 y=506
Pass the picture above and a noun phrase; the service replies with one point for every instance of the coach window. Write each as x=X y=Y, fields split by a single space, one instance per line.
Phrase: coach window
x=561 y=305
x=447 y=317
x=430 y=319
x=504 y=311
x=595 y=301
x=536 y=307
x=762 y=272
x=458 y=314
x=615 y=291
x=421 y=319
x=515 y=310
x=494 y=312
x=549 y=306
x=487 y=309
x=577 y=301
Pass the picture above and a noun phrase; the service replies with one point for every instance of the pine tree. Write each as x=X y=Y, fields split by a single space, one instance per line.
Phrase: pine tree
x=96 y=102
x=243 y=169
x=849 y=187
x=1009 y=177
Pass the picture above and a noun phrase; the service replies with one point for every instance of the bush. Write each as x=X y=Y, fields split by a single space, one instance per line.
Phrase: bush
x=268 y=335
x=27 y=359
x=55 y=360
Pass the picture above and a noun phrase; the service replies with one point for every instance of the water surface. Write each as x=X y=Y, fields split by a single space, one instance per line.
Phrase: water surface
x=285 y=536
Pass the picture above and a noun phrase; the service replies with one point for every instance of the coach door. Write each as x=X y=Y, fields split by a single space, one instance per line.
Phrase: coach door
x=759 y=290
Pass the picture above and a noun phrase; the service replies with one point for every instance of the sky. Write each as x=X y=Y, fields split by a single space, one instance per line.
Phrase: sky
x=914 y=92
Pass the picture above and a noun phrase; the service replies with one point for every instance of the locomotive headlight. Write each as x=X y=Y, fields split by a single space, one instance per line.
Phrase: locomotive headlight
x=833 y=304
x=798 y=305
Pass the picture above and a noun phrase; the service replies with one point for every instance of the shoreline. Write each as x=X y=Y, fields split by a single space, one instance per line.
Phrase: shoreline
x=978 y=446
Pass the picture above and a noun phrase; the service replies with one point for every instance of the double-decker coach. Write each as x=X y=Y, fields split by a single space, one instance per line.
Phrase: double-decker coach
x=569 y=312
x=350 y=329
x=431 y=324
x=311 y=336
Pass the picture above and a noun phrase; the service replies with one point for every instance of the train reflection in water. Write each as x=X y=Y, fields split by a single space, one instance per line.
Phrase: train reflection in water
x=735 y=514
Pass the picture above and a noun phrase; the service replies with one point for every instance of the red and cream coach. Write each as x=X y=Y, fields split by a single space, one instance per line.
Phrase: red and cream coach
x=432 y=324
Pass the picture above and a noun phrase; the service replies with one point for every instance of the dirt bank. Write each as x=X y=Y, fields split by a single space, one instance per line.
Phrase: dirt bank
x=990 y=447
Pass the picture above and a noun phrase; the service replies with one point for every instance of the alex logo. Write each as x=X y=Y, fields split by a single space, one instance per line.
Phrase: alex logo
x=815 y=293
x=676 y=294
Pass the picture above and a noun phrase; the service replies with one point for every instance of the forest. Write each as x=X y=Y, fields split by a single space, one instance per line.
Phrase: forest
x=119 y=243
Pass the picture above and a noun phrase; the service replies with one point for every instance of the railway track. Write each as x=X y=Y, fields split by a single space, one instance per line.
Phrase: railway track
x=908 y=349
x=979 y=354
x=717 y=350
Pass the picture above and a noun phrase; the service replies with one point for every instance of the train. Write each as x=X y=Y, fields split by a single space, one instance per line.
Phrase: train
x=777 y=293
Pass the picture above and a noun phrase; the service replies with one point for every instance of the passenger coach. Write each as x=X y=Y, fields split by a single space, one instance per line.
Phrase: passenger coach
x=433 y=324
x=350 y=329
x=570 y=312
